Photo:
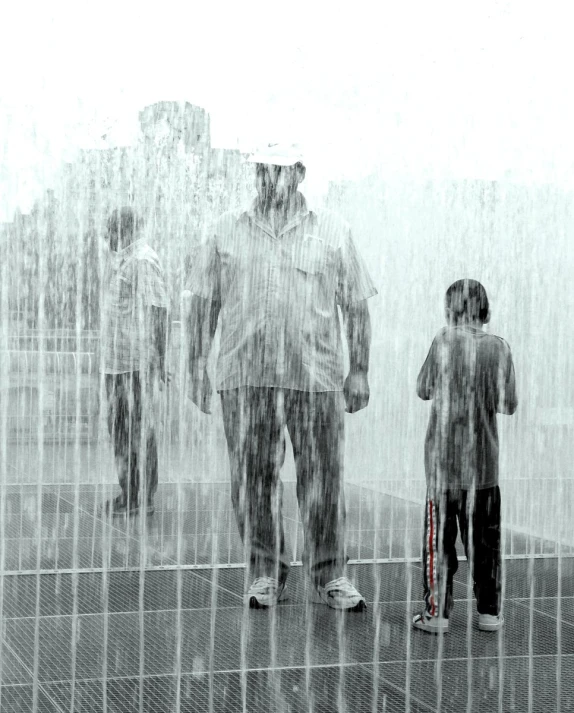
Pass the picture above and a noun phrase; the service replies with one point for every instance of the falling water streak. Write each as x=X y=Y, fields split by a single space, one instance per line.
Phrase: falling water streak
x=77 y=359
x=470 y=505
x=559 y=610
x=42 y=278
x=4 y=391
x=377 y=606
x=274 y=673
x=103 y=443
x=179 y=598
x=309 y=611
x=245 y=619
x=531 y=637
x=106 y=552
x=504 y=541
x=342 y=644
x=143 y=532
x=441 y=599
x=408 y=652
x=391 y=530
x=213 y=607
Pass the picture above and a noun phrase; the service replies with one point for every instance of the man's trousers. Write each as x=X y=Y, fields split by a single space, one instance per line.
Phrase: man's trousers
x=136 y=456
x=255 y=419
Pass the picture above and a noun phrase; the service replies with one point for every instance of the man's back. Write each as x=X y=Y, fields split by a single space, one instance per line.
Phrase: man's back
x=469 y=375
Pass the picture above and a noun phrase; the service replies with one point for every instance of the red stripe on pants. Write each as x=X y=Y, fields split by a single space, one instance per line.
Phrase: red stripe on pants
x=431 y=559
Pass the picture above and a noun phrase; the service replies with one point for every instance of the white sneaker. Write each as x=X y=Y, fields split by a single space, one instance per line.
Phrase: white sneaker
x=340 y=594
x=430 y=624
x=265 y=592
x=490 y=622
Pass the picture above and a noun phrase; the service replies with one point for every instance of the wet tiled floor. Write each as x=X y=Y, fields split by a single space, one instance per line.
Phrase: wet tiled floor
x=93 y=630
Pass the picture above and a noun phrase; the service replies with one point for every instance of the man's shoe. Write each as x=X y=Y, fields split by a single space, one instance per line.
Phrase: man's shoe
x=117 y=507
x=430 y=624
x=340 y=594
x=490 y=622
x=120 y=506
x=265 y=592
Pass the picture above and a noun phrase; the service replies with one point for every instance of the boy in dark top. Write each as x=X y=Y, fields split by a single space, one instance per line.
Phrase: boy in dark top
x=469 y=375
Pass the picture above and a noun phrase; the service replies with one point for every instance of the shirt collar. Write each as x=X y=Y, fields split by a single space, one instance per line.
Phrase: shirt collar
x=301 y=212
x=130 y=249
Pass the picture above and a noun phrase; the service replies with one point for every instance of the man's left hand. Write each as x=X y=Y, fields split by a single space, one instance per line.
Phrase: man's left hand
x=356 y=392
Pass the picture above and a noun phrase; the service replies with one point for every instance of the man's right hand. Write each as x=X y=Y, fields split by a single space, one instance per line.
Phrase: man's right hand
x=199 y=390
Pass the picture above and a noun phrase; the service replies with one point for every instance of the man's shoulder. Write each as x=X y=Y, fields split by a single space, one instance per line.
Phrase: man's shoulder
x=332 y=226
x=498 y=343
x=146 y=255
x=224 y=224
x=443 y=335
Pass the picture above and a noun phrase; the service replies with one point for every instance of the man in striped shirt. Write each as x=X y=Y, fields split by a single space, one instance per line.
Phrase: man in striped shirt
x=277 y=275
x=134 y=326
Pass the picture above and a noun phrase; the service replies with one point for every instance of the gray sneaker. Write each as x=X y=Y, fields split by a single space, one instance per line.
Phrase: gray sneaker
x=265 y=592
x=340 y=594
x=430 y=624
x=490 y=622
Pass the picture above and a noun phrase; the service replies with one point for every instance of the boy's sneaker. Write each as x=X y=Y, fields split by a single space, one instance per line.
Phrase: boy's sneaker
x=340 y=594
x=265 y=592
x=490 y=622
x=430 y=624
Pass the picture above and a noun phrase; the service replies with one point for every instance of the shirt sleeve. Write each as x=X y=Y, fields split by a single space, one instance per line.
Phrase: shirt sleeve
x=151 y=284
x=507 y=399
x=428 y=376
x=354 y=282
x=205 y=273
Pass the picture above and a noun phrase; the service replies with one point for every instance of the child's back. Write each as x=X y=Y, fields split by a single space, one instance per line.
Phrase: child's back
x=469 y=375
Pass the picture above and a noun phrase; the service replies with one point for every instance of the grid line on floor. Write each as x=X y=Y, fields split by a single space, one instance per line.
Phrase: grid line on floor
x=370 y=670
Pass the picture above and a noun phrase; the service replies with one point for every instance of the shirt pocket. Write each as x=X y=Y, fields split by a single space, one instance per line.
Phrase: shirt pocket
x=311 y=255
x=125 y=290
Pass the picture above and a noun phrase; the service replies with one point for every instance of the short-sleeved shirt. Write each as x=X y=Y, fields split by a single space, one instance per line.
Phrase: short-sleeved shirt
x=469 y=375
x=134 y=281
x=279 y=295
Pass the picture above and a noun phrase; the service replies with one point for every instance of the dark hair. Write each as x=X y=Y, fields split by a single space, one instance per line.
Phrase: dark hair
x=467 y=298
x=122 y=224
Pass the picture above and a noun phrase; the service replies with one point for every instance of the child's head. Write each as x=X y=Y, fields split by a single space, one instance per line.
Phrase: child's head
x=466 y=301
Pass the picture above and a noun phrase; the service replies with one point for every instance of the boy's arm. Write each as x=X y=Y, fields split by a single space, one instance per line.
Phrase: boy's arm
x=152 y=294
x=507 y=399
x=426 y=381
x=202 y=300
x=201 y=326
x=159 y=336
x=357 y=323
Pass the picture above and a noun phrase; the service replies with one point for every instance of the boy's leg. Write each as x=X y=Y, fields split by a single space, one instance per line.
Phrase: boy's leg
x=316 y=426
x=118 y=426
x=254 y=428
x=144 y=453
x=486 y=556
x=135 y=435
x=440 y=562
